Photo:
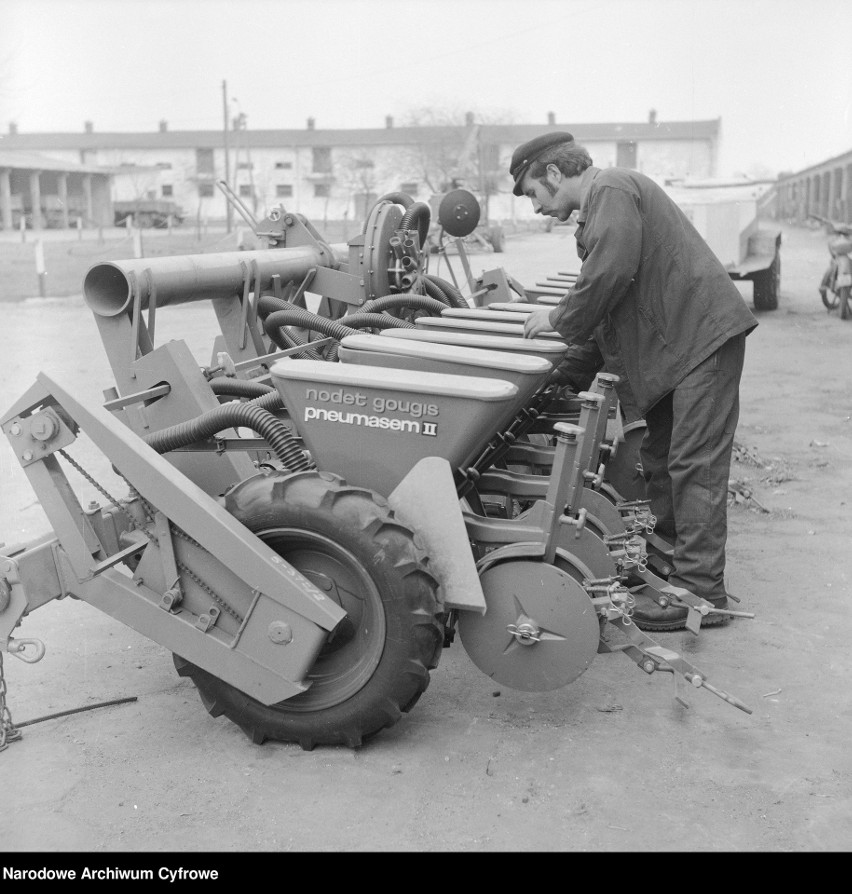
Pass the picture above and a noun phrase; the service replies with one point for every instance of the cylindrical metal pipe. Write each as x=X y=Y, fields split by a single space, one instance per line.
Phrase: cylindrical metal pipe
x=185 y=278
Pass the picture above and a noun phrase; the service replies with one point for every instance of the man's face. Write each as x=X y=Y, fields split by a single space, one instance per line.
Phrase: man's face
x=550 y=196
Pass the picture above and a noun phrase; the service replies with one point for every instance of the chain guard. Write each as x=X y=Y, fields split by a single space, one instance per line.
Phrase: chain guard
x=555 y=623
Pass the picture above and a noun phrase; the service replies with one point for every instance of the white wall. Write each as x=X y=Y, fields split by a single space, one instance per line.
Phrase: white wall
x=393 y=164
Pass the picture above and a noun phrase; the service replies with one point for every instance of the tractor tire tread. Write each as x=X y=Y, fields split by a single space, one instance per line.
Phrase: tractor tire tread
x=386 y=549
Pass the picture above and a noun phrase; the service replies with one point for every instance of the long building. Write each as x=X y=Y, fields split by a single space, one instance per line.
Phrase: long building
x=824 y=189
x=335 y=174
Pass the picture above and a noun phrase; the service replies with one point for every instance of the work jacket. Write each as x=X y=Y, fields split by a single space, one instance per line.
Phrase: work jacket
x=659 y=298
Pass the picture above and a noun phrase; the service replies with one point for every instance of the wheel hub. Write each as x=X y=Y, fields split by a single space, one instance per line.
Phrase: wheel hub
x=540 y=631
x=354 y=648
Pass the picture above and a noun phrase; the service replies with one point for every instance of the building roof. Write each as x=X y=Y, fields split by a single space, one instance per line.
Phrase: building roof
x=18 y=160
x=837 y=160
x=213 y=139
x=516 y=134
x=513 y=134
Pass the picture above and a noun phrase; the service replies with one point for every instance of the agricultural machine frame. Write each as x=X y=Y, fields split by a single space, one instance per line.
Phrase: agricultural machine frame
x=307 y=577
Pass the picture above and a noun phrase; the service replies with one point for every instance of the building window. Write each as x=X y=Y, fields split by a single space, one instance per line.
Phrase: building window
x=284 y=165
x=245 y=166
x=245 y=190
x=322 y=190
x=205 y=190
x=322 y=160
x=284 y=190
x=168 y=190
x=204 y=161
x=409 y=187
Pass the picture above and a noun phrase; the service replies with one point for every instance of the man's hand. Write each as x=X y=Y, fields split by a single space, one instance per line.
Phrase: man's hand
x=537 y=322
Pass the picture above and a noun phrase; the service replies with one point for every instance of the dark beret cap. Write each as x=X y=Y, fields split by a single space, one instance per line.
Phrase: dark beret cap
x=526 y=154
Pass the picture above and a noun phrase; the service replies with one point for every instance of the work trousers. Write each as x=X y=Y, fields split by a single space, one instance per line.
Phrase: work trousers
x=686 y=461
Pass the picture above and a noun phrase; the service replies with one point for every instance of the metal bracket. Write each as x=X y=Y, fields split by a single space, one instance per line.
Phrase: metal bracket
x=249 y=276
x=152 y=302
x=206 y=621
x=651 y=657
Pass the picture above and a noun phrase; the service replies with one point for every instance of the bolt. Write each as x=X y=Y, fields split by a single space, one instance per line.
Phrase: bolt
x=28 y=455
x=289 y=220
x=648 y=666
x=43 y=428
x=697 y=680
x=280 y=633
x=15 y=429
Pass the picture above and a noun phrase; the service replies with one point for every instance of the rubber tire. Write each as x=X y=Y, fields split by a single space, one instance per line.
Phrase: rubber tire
x=766 y=286
x=843 y=296
x=323 y=505
x=826 y=292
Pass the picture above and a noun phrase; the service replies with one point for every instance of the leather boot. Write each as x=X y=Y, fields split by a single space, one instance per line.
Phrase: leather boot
x=649 y=615
x=715 y=620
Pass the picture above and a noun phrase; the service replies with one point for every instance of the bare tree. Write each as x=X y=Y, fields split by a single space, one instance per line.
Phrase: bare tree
x=359 y=179
x=453 y=153
x=435 y=160
x=141 y=179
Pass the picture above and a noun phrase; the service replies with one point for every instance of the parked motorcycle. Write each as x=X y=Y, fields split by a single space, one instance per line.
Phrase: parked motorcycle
x=837 y=279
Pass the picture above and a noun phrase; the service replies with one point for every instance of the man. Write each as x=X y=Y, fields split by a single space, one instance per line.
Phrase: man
x=661 y=309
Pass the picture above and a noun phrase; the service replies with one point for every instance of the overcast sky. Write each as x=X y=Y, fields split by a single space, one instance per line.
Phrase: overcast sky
x=777 y=72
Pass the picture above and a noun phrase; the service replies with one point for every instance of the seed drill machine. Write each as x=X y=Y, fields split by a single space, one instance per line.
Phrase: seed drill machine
x=371 y=464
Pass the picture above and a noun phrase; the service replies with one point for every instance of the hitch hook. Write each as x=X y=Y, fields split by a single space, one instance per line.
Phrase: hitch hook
x=17 y=648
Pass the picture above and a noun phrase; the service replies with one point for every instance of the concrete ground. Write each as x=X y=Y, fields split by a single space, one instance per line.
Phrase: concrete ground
x=609 y=763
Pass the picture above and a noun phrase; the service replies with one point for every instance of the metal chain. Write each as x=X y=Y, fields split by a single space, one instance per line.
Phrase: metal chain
x=207 y=589
x=91 y=480
x=149 y=515
x=179 y=532
x=8 y=731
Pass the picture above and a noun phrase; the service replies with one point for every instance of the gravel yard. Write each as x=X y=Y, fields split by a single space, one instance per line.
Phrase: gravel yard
x=608 y=763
